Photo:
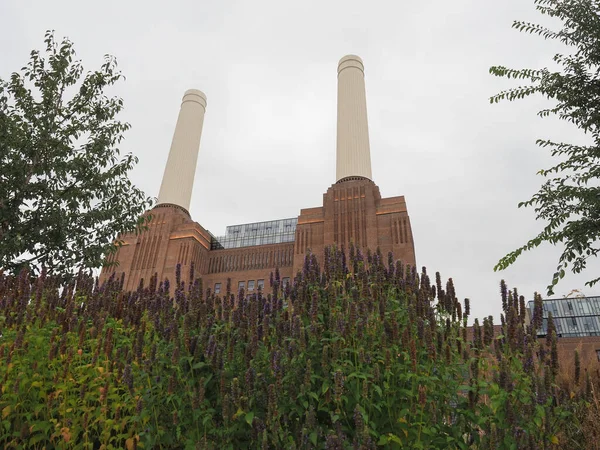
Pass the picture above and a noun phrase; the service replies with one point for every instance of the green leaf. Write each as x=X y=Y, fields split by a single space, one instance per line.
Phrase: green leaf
x=36 y=438
x=394 y=438
x=383 y=440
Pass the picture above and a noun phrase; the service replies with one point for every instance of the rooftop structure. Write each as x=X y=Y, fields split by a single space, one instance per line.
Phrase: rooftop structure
x=257 y=233
x=573 y=317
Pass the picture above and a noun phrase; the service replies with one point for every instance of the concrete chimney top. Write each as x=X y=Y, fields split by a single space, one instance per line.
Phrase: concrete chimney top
x=195 y=95
x=351 y=61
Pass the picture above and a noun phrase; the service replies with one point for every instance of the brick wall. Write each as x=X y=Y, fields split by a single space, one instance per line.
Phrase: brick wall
x=352 y=211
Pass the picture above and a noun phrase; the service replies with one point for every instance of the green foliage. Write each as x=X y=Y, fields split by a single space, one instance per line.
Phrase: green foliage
x=64 y=191
x=356 y=357
x=569 y=200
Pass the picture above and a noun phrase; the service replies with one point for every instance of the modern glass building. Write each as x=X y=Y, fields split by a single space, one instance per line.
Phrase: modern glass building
x=257 y=233
x=573 y=317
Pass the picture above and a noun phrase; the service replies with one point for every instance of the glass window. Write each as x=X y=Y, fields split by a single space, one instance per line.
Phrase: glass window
x=285 y=281
x=217 y=288
x=261 y=284
x=598 y=354
x=241 y=285
x=258 y=233
x=586 y=306
x=559 y=325
x=250 y=285
x=574 y=322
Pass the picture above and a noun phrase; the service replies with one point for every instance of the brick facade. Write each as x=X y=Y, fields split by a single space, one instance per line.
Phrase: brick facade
x=352 y=211
x=588 y=348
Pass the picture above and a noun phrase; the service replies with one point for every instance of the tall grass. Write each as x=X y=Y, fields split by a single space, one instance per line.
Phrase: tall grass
x=358 y=354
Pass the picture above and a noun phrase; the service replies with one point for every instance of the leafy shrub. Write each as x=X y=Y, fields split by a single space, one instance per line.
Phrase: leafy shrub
x=359 y=355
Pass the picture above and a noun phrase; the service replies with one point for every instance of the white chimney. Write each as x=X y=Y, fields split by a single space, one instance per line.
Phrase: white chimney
x=178 y=179
x=353 y=151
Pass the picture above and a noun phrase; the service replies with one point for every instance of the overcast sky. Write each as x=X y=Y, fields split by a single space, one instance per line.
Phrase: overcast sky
x=268 y=69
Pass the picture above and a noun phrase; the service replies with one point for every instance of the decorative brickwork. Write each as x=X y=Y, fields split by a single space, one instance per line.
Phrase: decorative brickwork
x=352 y=211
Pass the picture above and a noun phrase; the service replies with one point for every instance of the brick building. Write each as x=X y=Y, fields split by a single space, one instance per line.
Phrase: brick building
x=353 y=210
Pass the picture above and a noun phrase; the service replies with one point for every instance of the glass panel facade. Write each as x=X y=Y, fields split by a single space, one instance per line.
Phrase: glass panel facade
x=258 y=233
x=573 y=317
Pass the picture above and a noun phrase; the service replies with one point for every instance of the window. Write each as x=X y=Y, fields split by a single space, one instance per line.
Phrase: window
x=558 y=325
x=217 y=288
x=261 y=284
x=241 y=285
x=250 y=285
x=586 y=306
x=598 y=354
x=574 y=321
x=285 y=281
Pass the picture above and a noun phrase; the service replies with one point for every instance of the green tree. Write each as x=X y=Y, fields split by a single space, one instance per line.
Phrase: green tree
x=64 y=190
x=569 y=199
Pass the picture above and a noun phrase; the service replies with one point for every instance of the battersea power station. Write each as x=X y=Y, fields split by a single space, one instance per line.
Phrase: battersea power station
x=353 y=210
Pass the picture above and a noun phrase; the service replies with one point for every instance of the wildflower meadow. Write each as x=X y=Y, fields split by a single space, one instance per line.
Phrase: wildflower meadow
x=361 y=353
